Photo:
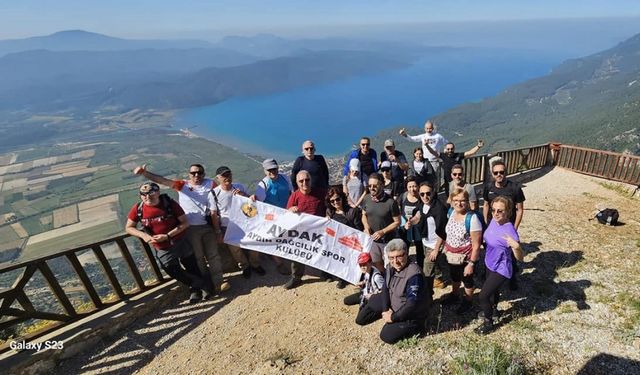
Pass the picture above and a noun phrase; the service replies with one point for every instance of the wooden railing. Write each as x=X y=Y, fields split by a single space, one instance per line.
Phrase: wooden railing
x=26 y=280
x=605 y=164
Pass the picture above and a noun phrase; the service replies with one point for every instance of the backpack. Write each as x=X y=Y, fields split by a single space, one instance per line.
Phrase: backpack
x=608 y=216
x=467 y=218
x=165 y=201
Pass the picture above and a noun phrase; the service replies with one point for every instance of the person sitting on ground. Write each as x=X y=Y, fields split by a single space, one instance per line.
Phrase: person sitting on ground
x=371 y=285
x=352 y=185
x=450 y=158
x=398 y=161
x=340 y=211
x=164 y=224
x=314 y=164
x=196 y=199
x=462 y=248
x=457 y=181
x=408 y=299
x=275 y=189
x=368 y=160
x=304 y=200
x=421 y=169
x=391 y=187
x=224 y=193
x=501 y=241
x=430 y=217
x=408 y=202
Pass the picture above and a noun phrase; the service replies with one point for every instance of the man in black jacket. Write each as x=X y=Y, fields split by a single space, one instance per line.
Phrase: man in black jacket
x=405 y=292
x=431 y=219
x=312 y=163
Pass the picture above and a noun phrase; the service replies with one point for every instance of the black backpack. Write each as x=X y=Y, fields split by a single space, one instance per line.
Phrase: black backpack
x=165 y=201
x=608 y=216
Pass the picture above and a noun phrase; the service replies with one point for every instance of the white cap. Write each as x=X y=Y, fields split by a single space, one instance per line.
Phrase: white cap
x=354 y=165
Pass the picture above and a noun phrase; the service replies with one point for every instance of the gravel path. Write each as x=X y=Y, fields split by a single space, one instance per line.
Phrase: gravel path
x=578 y=308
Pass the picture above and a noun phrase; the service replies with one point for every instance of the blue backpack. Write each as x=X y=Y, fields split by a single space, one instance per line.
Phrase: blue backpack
x=467 y=219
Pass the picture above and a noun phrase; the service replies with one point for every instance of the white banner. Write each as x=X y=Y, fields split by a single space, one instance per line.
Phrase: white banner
x=311 y=240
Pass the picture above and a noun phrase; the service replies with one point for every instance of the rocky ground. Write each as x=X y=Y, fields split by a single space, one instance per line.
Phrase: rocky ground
x=577 y=310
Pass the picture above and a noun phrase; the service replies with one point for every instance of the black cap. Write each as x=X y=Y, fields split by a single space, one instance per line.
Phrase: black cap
x=222 y=170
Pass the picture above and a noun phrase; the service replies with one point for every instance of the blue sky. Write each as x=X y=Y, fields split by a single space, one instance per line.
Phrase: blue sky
x=164 y=18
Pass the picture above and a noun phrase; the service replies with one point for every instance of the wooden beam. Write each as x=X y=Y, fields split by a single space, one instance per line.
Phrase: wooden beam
x=84 y=279
x=56 y=288
x=106 y=267
x=131 y=264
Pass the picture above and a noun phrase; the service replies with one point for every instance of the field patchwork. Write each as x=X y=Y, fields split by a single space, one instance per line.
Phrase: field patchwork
x=65 y=216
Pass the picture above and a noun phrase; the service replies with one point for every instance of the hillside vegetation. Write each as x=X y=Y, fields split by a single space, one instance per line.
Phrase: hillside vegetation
x=592 y=101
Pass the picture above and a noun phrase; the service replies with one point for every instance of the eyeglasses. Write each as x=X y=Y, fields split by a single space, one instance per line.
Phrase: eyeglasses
x=304 y=180
x=456 y=174
x=459 y=201
x=309 y=148
x=425 y=193
x=147 y=193
x=398 y=257
x=196 y=173
x=334 y=200
x=495 y=173
x=364 y=144
x=497 y=211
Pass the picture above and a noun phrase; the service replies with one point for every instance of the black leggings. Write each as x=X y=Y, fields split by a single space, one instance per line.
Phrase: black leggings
x=190 y=275
x=404 y=235
x=490 y=293
x=394 y=332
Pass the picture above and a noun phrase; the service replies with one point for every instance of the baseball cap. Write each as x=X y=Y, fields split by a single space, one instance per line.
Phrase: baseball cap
x=148 y=187
x=354 y=165
x=389 y=143
x=269 y=164
x=363 y=259
x=385 y=165
x=222 y=170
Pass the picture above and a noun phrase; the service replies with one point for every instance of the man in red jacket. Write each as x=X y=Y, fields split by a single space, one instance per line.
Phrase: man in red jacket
x=164 y=223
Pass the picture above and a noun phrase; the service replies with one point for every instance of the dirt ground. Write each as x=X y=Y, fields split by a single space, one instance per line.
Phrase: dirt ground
x=578 y=309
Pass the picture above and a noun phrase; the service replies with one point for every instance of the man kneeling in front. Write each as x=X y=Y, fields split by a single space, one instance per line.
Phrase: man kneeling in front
x=406 y=294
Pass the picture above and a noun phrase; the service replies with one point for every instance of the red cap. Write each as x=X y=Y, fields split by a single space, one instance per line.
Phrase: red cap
x=363 y=259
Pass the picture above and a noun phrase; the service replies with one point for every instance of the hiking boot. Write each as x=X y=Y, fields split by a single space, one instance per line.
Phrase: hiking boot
x=283 y=269
x=259 y=270
x=449 y=299
x=224 y=286
x=195 y=296
x=495 y=314
x=341 y=284
x=246 y=273
x=485 y=328
x=292 y=283
x=465 y=306
x=439 y=283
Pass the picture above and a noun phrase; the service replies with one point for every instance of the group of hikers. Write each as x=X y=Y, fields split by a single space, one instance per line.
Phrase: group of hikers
x=393 y=200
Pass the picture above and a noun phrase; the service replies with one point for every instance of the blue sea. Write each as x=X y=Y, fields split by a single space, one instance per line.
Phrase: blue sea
x=334 y=115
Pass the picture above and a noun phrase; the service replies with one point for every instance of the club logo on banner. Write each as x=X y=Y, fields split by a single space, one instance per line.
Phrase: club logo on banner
x=314 y=241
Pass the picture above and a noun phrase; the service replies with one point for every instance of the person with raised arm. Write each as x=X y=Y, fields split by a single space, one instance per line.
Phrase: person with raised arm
x=196 y=199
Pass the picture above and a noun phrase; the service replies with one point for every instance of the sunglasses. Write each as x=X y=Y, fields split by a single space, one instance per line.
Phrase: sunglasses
x=304 y=180
x=385 y=170
x=495 y=173
x=497 y=211
x=456 y=174
x=364 y=144
x=273 y=170
x=425 y=193
x=309 y=148
x=147 y=193
x=334 y=200
x=196 y=173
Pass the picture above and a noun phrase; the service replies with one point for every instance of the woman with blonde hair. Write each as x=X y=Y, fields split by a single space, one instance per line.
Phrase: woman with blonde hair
x=501 y=240
x=462 y=248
